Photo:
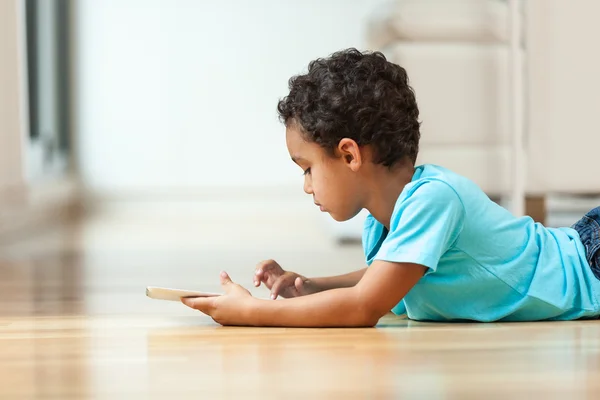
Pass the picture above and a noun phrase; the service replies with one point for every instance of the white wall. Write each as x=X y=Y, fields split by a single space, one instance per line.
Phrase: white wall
x=183 y=94
x=564 y=100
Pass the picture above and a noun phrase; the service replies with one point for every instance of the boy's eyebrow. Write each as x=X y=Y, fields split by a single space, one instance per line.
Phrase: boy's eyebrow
x=296 y=159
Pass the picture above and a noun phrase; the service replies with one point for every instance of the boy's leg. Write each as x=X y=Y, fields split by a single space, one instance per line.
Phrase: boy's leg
x=588 y=228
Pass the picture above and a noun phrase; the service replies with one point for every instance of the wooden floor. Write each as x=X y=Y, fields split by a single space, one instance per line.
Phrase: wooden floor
x=75 y=323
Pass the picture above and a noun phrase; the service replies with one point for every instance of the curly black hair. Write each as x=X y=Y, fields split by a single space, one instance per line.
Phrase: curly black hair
x=356 y=95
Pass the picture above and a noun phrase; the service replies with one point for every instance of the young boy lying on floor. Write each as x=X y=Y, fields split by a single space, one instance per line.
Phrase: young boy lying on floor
x=437 y=247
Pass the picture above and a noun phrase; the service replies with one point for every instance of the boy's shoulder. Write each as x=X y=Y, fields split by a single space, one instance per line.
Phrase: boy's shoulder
x=434 y=172
x=432 y=182
x=434 y=191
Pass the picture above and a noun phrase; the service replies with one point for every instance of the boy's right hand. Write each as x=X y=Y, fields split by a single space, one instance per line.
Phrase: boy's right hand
x=282 y=283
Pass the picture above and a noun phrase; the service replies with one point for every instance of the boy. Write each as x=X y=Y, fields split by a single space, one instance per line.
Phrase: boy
x=437 y=247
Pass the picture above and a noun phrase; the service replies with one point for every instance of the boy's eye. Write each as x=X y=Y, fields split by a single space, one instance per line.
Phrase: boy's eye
x=306 y=171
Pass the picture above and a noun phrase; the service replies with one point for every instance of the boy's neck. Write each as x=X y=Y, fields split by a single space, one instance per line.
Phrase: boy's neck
x=385 y=188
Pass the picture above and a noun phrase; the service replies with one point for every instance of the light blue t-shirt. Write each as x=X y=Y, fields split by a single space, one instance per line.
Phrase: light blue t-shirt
x=484 y=263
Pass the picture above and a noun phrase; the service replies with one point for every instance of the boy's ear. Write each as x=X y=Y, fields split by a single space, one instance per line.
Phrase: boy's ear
x=350 y=153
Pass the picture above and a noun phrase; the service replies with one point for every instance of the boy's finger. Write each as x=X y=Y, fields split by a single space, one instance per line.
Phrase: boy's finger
x=202 y=304
x=262 y=268
x=299 y=284
x=258 y=275
x=224 y=277
x=226 y=281
x=278 y=286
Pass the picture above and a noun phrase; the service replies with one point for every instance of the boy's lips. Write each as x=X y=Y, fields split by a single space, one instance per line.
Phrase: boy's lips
x=320 y=206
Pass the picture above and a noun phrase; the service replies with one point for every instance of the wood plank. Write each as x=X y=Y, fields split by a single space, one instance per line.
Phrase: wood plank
x=75 y=323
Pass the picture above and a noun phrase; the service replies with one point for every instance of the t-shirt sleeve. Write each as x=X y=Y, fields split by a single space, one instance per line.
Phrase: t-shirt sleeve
x=424 y=225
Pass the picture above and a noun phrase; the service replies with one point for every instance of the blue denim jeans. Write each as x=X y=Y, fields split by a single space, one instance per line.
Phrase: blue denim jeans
x=588 y=228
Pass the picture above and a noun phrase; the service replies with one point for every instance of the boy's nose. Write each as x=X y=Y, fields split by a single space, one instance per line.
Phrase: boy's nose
x=307 y=187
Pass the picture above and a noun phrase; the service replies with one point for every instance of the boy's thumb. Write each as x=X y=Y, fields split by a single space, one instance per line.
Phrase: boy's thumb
x=225 y=280
x=299 y=284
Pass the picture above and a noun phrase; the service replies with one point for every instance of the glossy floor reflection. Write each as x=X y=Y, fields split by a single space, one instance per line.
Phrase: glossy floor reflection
x=75 y=323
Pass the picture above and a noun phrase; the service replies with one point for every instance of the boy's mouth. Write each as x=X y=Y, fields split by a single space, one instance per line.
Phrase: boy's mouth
x=320 y=206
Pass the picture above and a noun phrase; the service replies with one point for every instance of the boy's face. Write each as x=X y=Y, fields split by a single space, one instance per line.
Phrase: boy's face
x=334 y=182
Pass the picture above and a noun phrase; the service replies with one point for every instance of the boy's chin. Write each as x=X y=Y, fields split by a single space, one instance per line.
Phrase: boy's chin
x=336 y=218
x=342 y=217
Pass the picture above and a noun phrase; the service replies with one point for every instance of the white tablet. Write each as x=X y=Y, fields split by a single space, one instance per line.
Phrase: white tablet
x=161 y=293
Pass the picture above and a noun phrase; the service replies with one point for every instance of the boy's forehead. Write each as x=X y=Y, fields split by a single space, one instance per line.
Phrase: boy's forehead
x=298 y=147
x=293 y=135
x=295 y=141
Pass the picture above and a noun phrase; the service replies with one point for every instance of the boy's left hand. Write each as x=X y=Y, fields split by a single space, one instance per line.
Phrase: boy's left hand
x=231 y=308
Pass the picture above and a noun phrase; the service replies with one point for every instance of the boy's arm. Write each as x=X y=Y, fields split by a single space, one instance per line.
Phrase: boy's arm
x=383 y=285
x=338 y=281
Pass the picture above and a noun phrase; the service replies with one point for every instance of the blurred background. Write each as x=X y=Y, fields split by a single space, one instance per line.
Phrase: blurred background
x=139 y=139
